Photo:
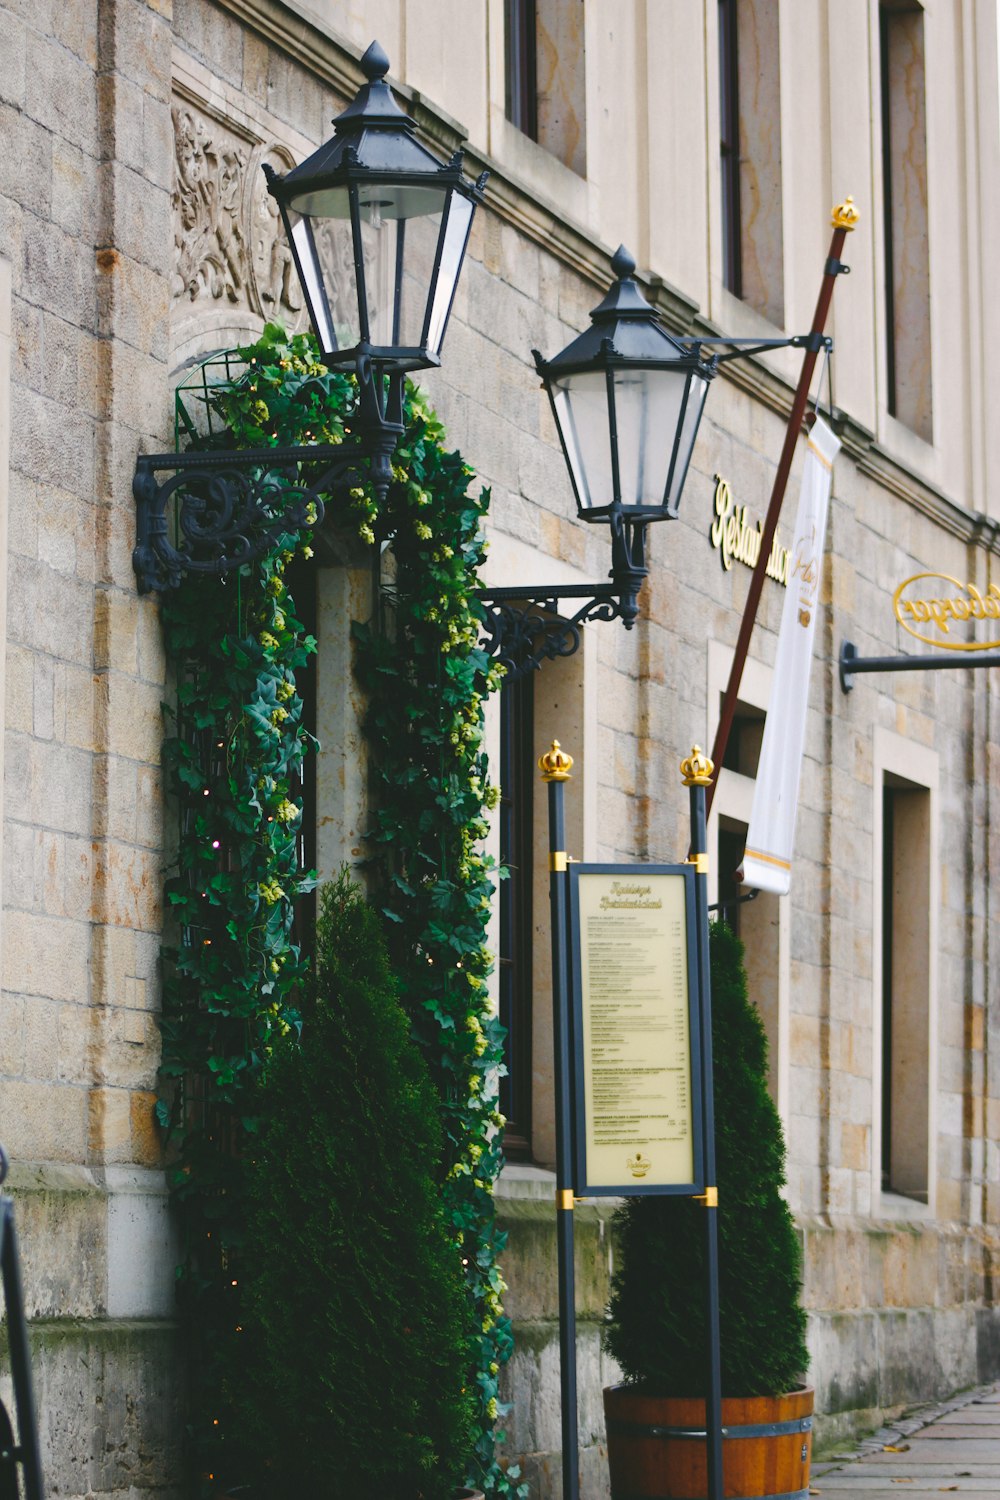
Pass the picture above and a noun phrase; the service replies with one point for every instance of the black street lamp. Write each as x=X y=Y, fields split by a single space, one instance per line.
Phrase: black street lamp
x=627 y=400
x=378 y=228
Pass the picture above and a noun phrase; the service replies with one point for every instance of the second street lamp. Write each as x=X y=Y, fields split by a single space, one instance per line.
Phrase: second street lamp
x=627 y=400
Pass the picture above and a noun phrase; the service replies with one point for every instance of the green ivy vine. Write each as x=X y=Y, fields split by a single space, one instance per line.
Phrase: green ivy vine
x=230 y=989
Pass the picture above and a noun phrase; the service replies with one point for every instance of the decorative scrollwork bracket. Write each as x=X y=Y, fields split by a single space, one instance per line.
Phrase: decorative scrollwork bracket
x=523 y=626
x=217 y=510
x=225 y=509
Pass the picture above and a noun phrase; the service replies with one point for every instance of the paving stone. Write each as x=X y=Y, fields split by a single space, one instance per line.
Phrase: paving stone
x=954 y=1448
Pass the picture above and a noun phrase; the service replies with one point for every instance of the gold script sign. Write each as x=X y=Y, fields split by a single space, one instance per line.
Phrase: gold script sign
x=918 y=602
x=737 y=539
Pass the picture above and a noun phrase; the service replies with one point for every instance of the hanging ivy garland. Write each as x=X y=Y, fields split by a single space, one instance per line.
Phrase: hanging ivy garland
x=230 y=990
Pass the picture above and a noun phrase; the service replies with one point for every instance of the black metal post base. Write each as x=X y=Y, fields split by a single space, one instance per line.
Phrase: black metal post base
x=26 y=1454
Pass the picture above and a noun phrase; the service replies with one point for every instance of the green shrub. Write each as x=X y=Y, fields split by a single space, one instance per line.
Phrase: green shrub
x=656 y=1327
x=354 y=1351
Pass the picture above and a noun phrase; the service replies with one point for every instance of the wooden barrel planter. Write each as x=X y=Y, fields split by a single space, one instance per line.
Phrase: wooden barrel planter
x=657 y=1450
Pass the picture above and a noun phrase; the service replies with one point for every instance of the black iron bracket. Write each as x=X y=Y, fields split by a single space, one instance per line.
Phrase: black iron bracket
x=218 y=509
x=851 y=663
x=743 y=348
x=25 y=1453
x=523 y=626
x=225 y=509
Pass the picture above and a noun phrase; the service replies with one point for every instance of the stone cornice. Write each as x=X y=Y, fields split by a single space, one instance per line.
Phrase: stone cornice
x=337 y=64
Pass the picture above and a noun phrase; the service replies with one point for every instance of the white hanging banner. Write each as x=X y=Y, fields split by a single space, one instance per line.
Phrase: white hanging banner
x=767 y=862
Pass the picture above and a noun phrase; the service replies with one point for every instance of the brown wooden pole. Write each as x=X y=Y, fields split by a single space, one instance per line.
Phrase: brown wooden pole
x=845 y=216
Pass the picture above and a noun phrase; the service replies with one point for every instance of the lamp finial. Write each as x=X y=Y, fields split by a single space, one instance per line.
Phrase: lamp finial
x=845 y=215
x=555 y=764
x=697 y=768
x=375 y=62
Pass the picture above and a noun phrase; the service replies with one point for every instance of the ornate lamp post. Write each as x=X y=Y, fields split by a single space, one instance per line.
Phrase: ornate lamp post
x=378 y=228
x=627 y=400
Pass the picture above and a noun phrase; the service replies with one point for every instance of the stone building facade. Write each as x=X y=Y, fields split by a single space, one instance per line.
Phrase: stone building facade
x=136 y=238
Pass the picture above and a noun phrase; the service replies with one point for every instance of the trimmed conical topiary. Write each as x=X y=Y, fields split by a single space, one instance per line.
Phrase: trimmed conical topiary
x=657 y=1322
x=355 y=1353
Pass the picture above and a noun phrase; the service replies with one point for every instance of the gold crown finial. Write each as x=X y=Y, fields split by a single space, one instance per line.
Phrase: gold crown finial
x=555 y=764
x=845 y=215
x=697 y=768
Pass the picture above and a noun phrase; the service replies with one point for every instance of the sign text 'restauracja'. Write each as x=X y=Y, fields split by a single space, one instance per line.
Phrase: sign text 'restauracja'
x=630 y=895
x=735 y=538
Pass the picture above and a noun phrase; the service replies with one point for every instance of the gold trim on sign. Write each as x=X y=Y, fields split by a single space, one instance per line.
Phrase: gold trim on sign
x=766 y=859
x=942 y=613
x=564 y=1198
x=557 y=859
x=710 y=1197
x=821 y=456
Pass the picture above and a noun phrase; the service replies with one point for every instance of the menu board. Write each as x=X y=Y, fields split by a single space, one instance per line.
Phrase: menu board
x=635 y=1029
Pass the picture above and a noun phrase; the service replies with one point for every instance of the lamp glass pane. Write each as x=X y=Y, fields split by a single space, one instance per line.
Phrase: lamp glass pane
x=581 y=408
x=647 y=410
x=400 y=228
x=315 y=256
x=685 y=445
x=453 y=243
x=324 y=253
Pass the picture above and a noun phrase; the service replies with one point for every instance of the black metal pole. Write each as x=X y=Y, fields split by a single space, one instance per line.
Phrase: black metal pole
x=697 y=774
x=555 y=767
x=28 y=1453
x=850 y=662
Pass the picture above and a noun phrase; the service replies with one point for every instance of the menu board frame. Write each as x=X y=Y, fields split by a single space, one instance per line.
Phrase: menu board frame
x=630 y=1186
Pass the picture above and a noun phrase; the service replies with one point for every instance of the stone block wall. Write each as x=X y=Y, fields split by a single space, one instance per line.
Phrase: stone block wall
x=85 y=187
x=122 y=120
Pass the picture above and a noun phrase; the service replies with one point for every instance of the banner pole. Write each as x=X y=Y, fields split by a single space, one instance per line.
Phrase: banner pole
x=845 y=217
x=696 y=772
x=555 y=767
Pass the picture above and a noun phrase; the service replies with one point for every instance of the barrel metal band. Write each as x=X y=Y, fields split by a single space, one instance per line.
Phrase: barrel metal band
x=786 y=1495
x=750 y=1430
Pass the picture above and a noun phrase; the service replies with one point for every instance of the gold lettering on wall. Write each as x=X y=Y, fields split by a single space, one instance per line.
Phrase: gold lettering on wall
x=737 y=539
x=938 y=609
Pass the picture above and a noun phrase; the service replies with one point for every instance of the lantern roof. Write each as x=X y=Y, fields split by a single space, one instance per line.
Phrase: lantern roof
x=372 y=135
x=624 y=327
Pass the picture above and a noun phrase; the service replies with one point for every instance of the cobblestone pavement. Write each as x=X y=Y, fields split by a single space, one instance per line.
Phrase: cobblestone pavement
x=930 y=1451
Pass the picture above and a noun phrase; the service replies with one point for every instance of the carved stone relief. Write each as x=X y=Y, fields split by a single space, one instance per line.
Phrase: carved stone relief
x=230 y=251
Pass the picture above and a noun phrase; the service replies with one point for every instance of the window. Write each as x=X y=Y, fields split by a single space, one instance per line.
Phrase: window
x=750 y=154
x=904 y=189
x=905 y=982
x=546 y=76
x=514 y=962
x=906 y=893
